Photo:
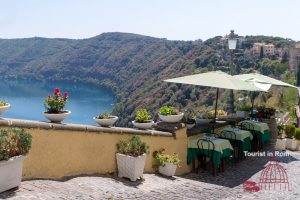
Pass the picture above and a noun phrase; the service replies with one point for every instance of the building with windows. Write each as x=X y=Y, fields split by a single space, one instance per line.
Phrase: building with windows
x=268 y=49
x=294 y=57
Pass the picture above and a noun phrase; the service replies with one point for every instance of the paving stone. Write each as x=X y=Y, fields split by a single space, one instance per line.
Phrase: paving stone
x=228 y=185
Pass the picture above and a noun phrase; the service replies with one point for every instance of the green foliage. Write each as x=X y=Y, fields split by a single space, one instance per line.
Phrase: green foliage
x=189 y=116
x=161 y=158
x=142 y=116
x=3 y=103
x=297 y=133
x=14 y=142
x=290 y=131
x=168 y=110
x=281 y=128
x=105 y=115
x=244 y=107
x=132 y=147
x=57 y=102
x=265 y=112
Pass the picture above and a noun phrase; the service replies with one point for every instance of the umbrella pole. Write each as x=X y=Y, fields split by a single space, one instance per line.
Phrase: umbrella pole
x=216 y=105
x=252 y=101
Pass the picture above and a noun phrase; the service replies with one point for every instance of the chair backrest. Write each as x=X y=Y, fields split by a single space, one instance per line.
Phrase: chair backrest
x=210 y=146
x=229 y=135
x=246 y=126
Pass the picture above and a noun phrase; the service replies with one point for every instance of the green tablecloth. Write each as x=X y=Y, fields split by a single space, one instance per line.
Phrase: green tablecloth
x=239 y=133
x=222 y=149
x=261 y=130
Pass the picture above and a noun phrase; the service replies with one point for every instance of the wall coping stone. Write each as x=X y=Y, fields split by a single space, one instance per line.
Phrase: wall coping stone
x=79 y=127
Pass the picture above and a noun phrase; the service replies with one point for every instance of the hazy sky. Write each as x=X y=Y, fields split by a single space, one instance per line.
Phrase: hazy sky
x=172 y=19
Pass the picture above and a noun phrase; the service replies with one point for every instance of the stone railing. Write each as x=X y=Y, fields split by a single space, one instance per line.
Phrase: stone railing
x=60 y=150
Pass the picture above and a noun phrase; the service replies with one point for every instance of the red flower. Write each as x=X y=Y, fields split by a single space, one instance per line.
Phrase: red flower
x=56 y=92
x=65 y=94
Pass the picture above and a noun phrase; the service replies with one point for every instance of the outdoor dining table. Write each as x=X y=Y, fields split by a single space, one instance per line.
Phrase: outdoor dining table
x=221 y=150
x=260 y=129
x=238 y=138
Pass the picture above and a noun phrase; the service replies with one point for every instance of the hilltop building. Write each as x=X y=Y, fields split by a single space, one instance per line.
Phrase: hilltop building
x=268 y=49
x=294 y=57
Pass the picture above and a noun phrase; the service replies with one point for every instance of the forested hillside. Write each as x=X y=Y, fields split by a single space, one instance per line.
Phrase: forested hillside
x=134 y=67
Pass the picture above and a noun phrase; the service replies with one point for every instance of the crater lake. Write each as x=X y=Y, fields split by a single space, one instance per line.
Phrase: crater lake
x=27 y=100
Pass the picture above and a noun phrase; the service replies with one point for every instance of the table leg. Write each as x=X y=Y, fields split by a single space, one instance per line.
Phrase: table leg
x=223 y=164
x=214 y=170
x=194 y=166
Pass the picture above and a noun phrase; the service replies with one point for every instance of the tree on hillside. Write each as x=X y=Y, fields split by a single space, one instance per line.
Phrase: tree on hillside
x=285 y=58
x=261 y=55
x=298 y=74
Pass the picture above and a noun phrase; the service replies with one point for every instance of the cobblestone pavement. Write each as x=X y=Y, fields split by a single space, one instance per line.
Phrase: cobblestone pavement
x=227 y=185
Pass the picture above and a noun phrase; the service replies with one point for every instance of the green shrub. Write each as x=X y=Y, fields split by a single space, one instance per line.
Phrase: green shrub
x=244 y=107
x=3 y=103
x=297 y=133
x=290 y=131
x=168 y=110
x=142 y=116
x=104 y=115
x=162 y=158
x=14 y=142
x=132 y=147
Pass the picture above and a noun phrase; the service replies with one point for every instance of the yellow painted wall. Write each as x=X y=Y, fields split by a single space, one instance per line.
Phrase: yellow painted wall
x=59 y=153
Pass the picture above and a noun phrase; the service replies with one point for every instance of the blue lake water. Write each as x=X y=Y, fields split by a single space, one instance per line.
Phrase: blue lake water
x=27 y=100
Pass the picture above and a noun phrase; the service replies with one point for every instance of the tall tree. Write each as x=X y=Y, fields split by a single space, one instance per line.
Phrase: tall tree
x=285 y=58
x=261 y=54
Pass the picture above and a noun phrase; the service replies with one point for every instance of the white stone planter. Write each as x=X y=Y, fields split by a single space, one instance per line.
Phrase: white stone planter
x=106 y=122
x=130 y=167
x=145 y=125
x=171 y=118
x=190 y=126
x=168 y=169
x=291 y=144
x=280 y=144
x=3 y=109
x=57 y=118
x=11 y=173
x=241 y=114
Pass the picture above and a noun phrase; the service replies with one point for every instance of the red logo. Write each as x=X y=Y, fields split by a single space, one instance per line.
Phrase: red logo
x=272 y=177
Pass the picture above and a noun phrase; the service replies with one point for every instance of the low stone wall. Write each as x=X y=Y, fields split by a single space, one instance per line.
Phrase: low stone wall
x=60 y=150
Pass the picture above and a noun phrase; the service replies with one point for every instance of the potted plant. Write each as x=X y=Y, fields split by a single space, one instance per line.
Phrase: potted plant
x=243 y=110
x=4 y=107
x=143 y=119
x=167 y=164
x=189 y=118
x=131 y=158
x=290 y=132
x=55 y=106
x=14 y=145
x=106 y=119
x=204 y=117
x=280 y=142
x=170 y=114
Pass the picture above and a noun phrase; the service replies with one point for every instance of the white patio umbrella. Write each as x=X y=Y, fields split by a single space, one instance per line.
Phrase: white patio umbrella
x=216 y=79
x=263 y=82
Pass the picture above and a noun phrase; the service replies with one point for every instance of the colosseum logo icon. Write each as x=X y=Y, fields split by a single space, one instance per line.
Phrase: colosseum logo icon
x=272 y=177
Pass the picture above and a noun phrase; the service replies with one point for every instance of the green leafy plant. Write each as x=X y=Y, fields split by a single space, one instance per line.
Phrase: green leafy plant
x=105 y=115
x=3 y=103
x=168 y=110
x=142 y=116
x=132 y=147
x=265 y=112
x=189 y=117
x=56 y=103
x=297 y=133
x=244 y=107
x=281 y=128
x=290 y=131
x=14 y=142
x=161 y=158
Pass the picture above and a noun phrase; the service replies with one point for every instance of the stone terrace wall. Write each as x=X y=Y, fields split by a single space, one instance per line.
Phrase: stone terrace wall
x=60 y=150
